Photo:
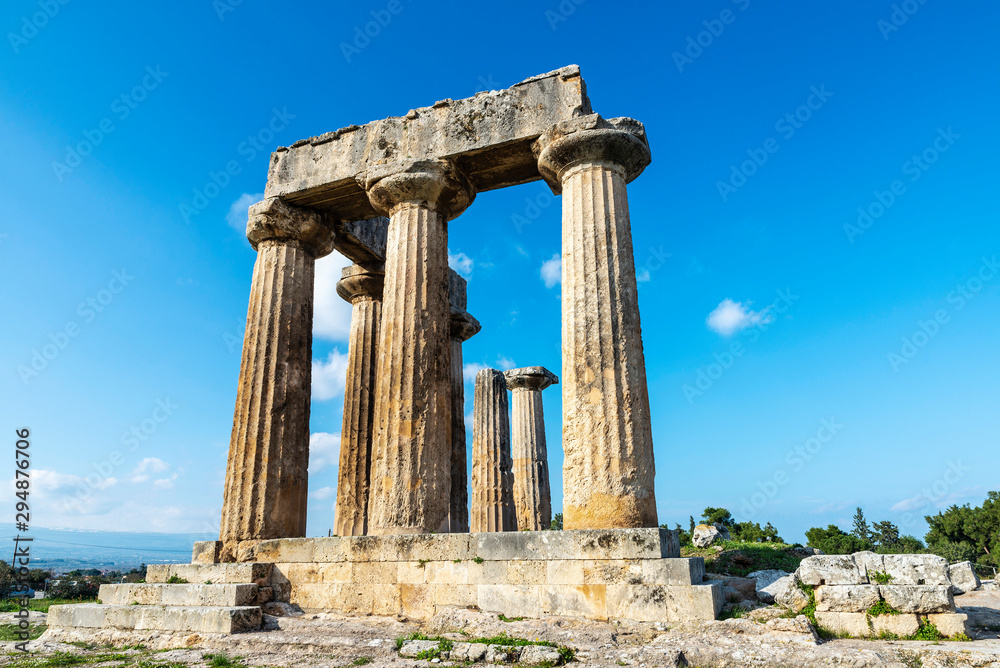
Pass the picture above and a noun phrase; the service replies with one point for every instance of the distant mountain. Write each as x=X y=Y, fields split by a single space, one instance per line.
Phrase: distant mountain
x=63 y=550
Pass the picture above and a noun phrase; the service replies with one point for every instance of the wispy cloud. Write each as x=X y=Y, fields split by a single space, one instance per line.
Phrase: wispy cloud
x=461 y=263
x=551 y=271
x=730 y=317
x=239 y=210
x=331 y=314
x=324 y=451
x=330 y=376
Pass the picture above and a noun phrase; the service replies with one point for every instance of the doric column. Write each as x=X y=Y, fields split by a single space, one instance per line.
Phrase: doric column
x=492 y=478
x=608 y=445
x=411 y=455
x=362 y=287
x=463 y=328
x=532 y=495
x=267 y=473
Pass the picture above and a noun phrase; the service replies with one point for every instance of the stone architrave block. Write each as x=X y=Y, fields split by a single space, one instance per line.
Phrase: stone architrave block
x=833 y=569
x=916 y=569
x=919 y=598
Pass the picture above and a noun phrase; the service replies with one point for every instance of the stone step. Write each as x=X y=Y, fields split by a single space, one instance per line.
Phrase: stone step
x=179 y=594
x=235 y=573
x=190 y=619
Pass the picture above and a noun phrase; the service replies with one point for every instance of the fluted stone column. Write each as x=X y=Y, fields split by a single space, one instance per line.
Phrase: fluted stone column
x=267 y=473
x=608 y=471
x=362 y=287
x=463 y=328
x=532 y=494
x=492 y=476
x=411 y=455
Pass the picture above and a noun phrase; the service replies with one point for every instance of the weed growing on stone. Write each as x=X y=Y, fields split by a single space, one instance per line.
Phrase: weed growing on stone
x=880 y=577
x=361 y=661
x=173 y=579
x=222 y=660
x=881 y=608
x=927 y=631
x=479 y=560
x=505 y=618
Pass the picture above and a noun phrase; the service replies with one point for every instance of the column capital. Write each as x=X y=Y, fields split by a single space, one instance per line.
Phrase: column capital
x=361 y=282
x=531 y=378
x=618 y=141
x=434 y=184
x=463 y=325
x=272 y=219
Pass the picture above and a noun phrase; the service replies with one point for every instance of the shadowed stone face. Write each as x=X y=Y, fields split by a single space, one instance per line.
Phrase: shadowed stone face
x=463 y=327
x=492 y=478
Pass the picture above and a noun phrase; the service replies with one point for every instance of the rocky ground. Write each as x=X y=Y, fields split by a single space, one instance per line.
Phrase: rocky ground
x=762 y=638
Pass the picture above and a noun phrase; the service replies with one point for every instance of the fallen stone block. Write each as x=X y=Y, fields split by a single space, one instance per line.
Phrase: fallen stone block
x=916 y=569
x=963 y=577
x=413 y=648
x=846 y=598
x=535 y=654
x=829 y=569
x=765 y=581
x=467 y=651
x=789 y=595
x=919 y=598
x=707 y=534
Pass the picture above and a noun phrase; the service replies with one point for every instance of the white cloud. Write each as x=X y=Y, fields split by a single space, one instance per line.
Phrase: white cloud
x=329 y=377
x=324 y=451
x=238 y=212
x=331 y=314
x=165 y=483
x=322 y=493
x=470 y=370
x=505 y=363
x=945 y=500
x=552 y=271
x=147 y=466
x=729 y=317
x=642 y=276
x=461 y=263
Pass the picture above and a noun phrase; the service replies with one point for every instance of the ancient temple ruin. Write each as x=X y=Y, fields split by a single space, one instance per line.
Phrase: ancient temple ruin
x=383 y=194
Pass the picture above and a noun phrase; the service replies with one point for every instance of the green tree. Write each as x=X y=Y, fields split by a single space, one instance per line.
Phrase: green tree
x=719 y=516
x=963 y=529
x=555 y=525
x=885 y=535
x=861 y=531
x=691 y=529
x=834 y=541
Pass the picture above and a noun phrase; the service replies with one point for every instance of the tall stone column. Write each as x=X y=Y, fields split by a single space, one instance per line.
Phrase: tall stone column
x=267 y=473
x=532 y=495
x=607 y=440
x=411 y=455
x=463 y=328
x=362 y=287
x=492 y=477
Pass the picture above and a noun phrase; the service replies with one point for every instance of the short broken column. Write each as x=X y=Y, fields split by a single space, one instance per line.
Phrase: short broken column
x=607 y=439
x=362 y=287
x=410 y=489
x=267 y=473
x=532 y=494
x=463 y=328
x=492 y=476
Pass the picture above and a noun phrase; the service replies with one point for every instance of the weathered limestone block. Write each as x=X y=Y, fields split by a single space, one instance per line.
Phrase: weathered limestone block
x=230 y=573
x=846 y=598
x=410 y=489
x=267 y=473
x=854 y=624
x=179 y=594
x=653 y=603
x=951 y=623
x=765 y=580
x=469 y=652
x=832 y=569
x=918 y=598
x=868 y=563
x=502 y=653
x=206 y=552
x=533 y=655
x=706 y=534
x=191 y=619
x=413 y=648
x=362 y=287
x=532 y=496
x=490 y=135
x=788 y=595
x=963 y=577
x=608 y=468
x=463 y=327
x=492 y=478
x=916 y=569
x=588 y=600
x=903 y=625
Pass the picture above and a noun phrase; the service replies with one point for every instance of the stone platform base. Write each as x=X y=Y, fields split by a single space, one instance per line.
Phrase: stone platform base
x=607 y=575
x=860 y=625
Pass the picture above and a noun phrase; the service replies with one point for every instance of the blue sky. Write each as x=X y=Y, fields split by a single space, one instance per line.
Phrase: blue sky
x=804 y=357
